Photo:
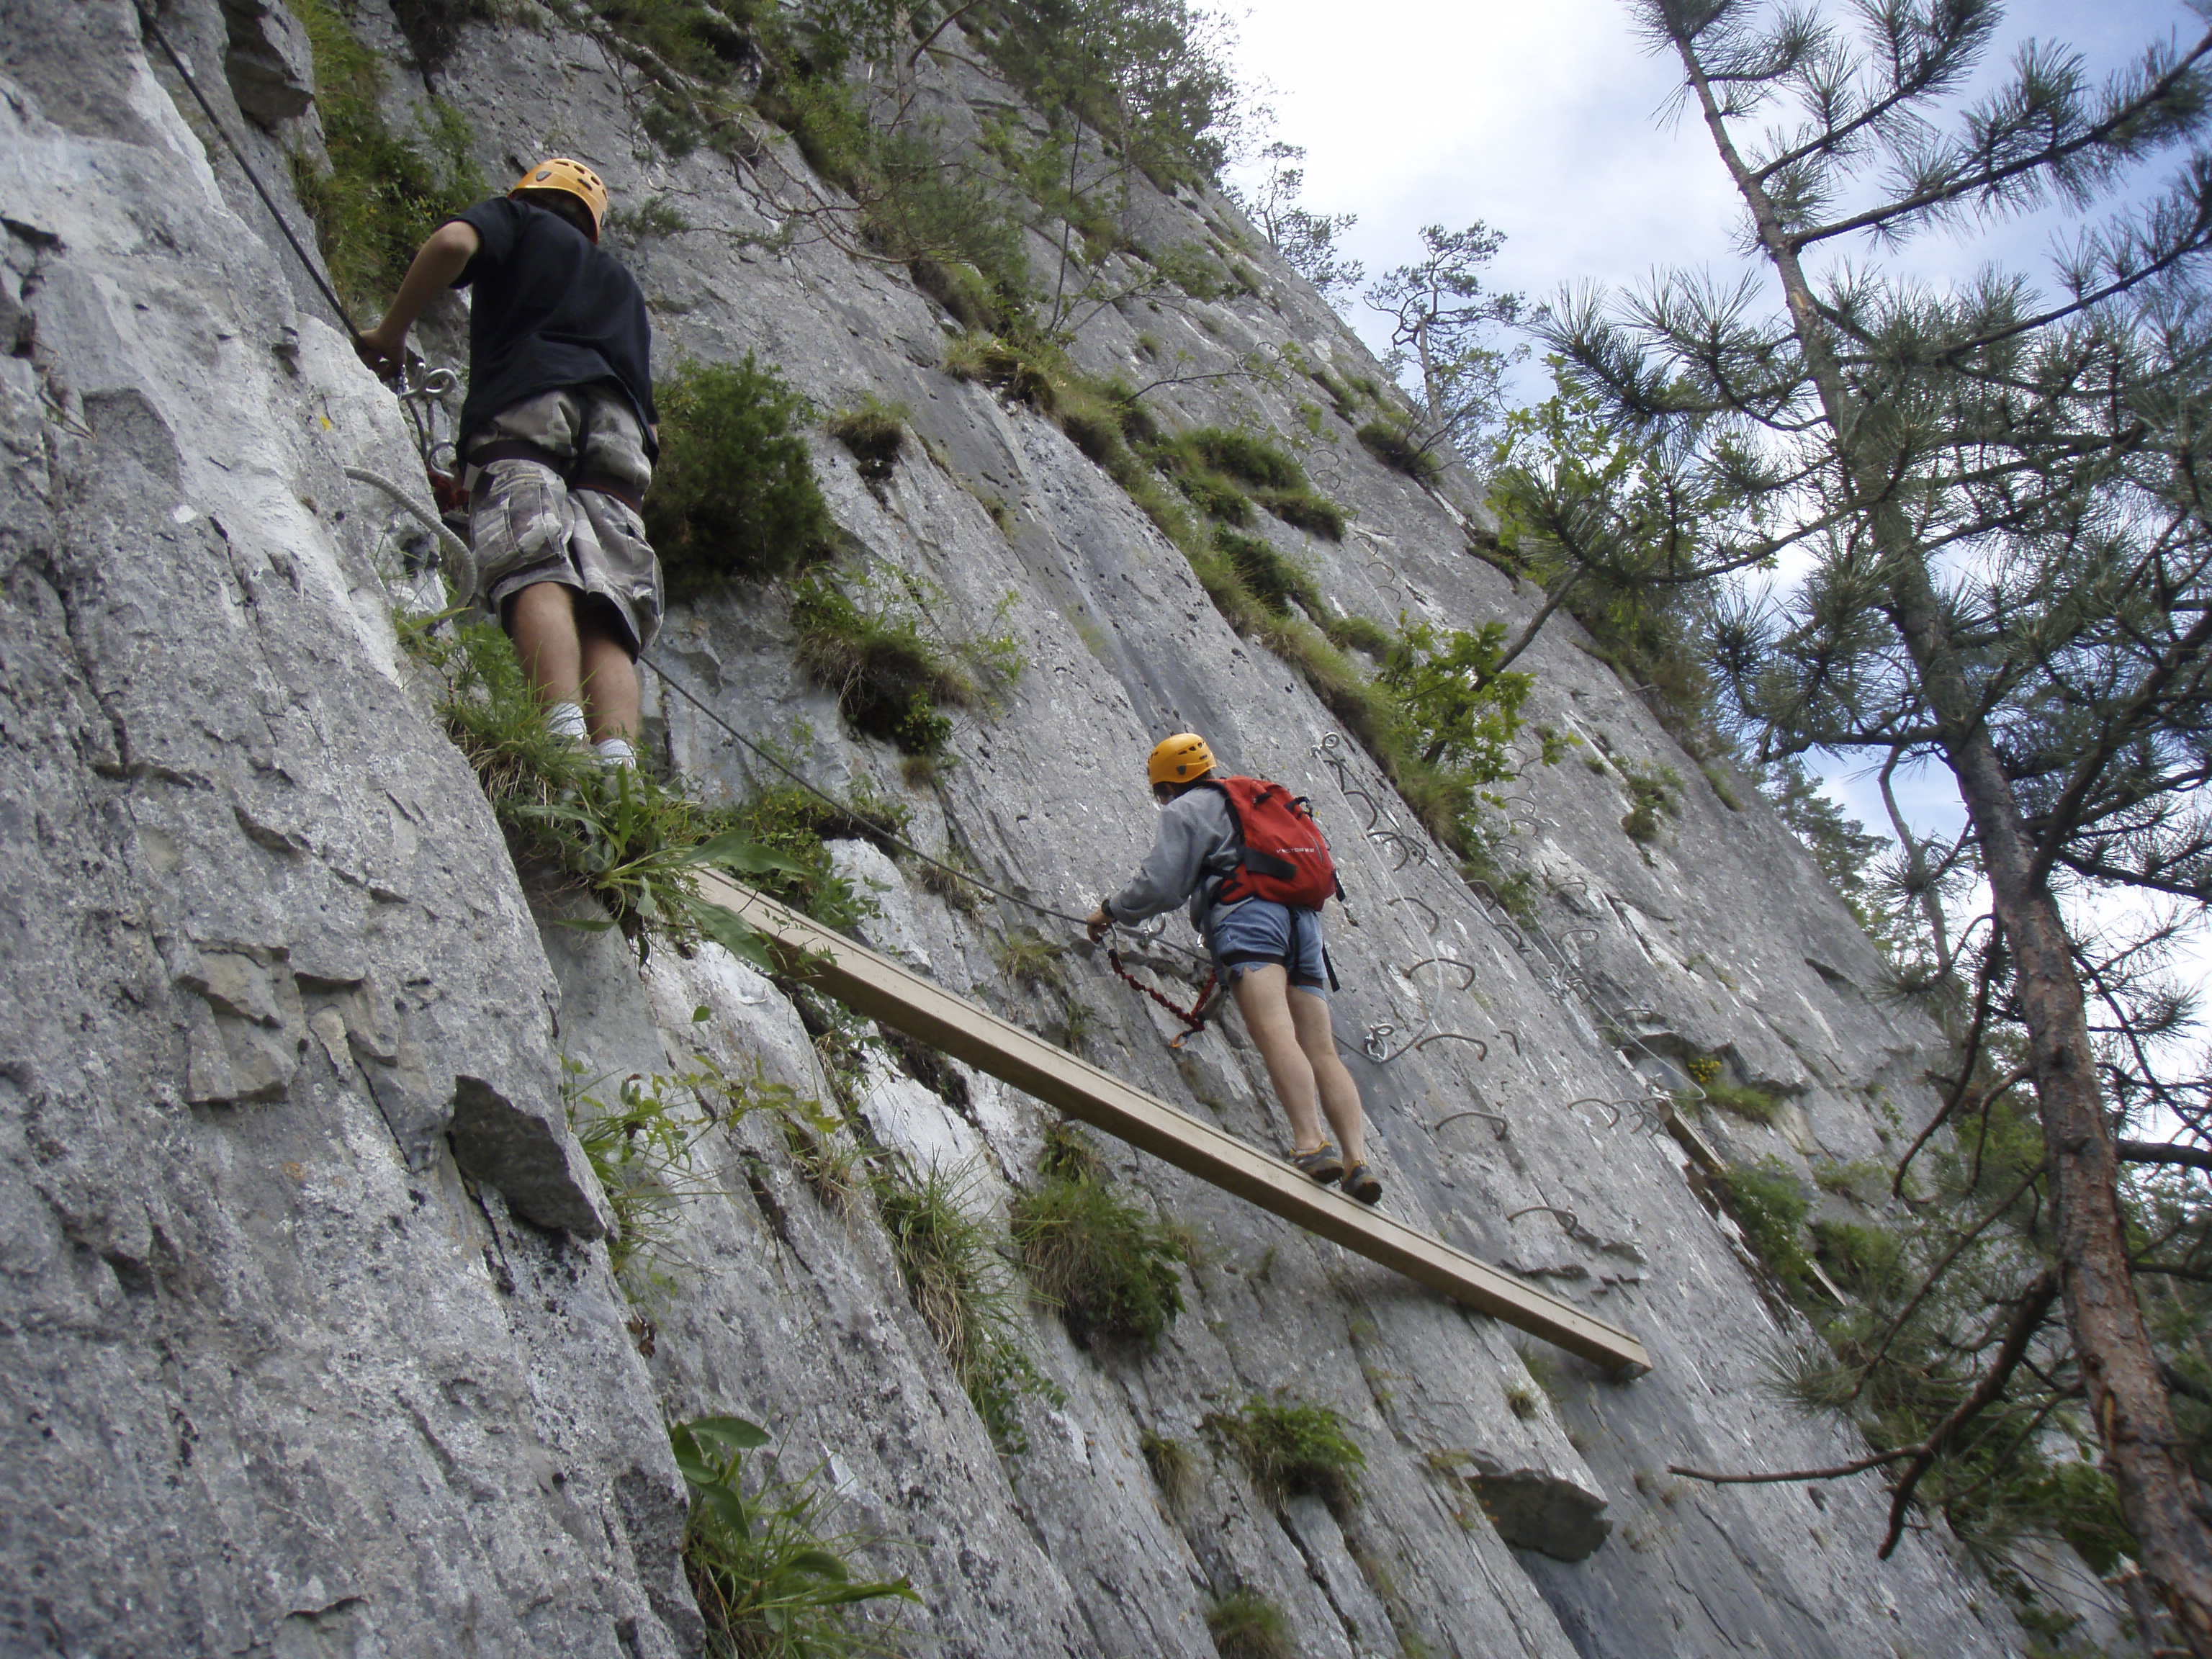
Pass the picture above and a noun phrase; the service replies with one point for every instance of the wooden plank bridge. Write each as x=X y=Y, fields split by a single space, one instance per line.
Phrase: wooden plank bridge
x=884 y=990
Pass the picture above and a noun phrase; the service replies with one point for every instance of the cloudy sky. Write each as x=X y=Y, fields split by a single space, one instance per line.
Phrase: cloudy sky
x=1545 y=119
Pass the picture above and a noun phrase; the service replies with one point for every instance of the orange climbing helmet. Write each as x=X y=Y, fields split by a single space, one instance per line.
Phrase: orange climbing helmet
x=1179 y=759
x=559 y=173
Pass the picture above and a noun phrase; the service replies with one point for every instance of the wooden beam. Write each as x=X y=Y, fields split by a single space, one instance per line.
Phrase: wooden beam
x=885 y=991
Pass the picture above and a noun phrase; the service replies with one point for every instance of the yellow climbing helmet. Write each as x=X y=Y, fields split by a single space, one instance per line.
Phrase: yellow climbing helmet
x=559 y=173
x=1180 y=758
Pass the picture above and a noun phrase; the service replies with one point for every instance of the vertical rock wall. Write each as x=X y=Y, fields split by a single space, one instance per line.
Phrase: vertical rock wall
x=309 y=1346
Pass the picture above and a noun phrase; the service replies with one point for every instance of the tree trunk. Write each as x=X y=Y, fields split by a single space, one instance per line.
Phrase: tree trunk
x=2128 y=1400
x=1529 y=634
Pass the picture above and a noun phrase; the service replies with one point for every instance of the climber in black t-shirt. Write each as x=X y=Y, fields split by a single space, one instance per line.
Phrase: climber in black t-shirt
x=558 y=435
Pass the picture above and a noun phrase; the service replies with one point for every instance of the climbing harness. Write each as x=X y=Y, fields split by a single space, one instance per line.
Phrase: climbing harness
x=1193 y=1017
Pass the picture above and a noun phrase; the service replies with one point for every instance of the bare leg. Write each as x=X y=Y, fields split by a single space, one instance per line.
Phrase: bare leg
x=571 y=654
x=1339 y=1095
x=542 y=618
x=1262 y=997
x=610 y=678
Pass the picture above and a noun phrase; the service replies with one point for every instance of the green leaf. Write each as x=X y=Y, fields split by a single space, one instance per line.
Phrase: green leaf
x=841 y=1594
x=696 y=1472
x=730 y=931
x=733 y=1431
x=732 y=851
x=820 y=1563
x=728 y=1508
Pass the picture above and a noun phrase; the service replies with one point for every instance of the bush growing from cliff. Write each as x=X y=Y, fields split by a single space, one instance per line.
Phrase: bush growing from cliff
x=1771 y=1206
x=1289 y=1448
x=1652 y=791
x=772 y=1582
x=1109 y=1267
x=1742 y=1100
x=734 y=494
x=874 y=433
x=1460 y=711
x=890 y=669
x=1245 y=1624
x=961 y=1286
x=1216 y=466
x=1269 y=577
x=1389 y=443
x=381 y=194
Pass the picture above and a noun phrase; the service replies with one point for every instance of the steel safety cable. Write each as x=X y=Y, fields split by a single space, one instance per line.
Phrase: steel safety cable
x=251 y=177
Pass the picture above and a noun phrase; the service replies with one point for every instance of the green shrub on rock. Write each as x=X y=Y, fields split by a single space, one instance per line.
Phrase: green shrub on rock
x=1289 y=1448
x=874 y=433
x=1109 y=1267
x=383 y=192
x=1246 y=1625
x=1389 y=444
x=733 y=495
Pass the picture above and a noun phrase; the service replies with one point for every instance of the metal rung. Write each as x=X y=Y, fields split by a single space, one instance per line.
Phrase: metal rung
x=882 y=990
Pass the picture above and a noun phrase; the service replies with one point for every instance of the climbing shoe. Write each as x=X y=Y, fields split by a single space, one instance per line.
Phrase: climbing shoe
x=1324 y=1164
x=1360 y=1182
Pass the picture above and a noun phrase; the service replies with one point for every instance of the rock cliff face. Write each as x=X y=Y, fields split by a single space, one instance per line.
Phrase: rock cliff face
x=311 y=1346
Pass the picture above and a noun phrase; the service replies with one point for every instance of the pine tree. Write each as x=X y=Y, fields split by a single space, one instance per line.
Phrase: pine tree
x=2000 y=495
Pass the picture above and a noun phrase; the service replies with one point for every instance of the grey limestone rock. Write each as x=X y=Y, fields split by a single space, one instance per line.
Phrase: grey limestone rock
x=267 y=61
x=311 y=1342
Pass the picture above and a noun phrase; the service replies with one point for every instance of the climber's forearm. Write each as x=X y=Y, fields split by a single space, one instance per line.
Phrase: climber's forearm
x=441 y=258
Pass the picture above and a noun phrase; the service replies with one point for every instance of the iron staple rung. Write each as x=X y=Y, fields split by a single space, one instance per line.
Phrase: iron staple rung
x=884 y=990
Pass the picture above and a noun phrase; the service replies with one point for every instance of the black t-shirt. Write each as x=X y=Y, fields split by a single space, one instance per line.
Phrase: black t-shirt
x=552 y=309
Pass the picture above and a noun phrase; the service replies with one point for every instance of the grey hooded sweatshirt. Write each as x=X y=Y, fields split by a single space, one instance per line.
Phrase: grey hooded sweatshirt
x=1197 y=843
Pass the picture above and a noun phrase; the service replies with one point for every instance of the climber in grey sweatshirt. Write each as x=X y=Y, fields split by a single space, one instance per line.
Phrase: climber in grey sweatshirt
x=1272 y=955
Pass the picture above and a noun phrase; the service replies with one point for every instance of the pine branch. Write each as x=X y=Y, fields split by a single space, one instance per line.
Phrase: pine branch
x=2165 y=1152
x=2027 y=1319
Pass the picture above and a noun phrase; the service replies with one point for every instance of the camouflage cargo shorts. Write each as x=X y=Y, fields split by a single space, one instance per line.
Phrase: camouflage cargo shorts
x=529 y=525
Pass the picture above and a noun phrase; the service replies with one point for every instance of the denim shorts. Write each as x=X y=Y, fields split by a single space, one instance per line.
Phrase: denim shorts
x=1255 y=932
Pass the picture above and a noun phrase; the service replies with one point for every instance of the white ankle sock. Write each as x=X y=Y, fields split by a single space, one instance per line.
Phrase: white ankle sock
x=615 y=752
x=565 y=719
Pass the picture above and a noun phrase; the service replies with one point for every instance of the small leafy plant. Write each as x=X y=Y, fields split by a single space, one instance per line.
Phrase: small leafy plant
x=770 y=1584
x=641 y=1147
x=1291 y=1448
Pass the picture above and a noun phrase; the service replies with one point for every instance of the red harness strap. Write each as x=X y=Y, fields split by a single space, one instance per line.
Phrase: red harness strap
x=1194 y=1018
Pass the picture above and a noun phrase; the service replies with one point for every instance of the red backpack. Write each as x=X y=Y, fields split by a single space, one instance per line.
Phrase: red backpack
x=1284 y=858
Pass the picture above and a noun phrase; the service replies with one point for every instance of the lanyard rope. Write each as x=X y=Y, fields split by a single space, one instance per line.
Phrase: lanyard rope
x=1193 y=1017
